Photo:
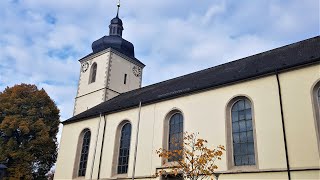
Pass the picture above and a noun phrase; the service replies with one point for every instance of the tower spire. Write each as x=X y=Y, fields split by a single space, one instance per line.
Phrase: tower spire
x=118 y=5
x=116 y=26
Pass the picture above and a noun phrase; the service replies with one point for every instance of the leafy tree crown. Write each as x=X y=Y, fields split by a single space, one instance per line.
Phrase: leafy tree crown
x=194 y=160
x=29 y=123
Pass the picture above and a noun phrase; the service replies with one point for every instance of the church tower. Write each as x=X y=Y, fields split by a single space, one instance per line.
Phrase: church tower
x=111 y=69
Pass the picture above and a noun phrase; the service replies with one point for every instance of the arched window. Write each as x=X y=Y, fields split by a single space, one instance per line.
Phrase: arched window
x=124 y=149
x=175 y=134
x=84 y=152
x=242 y=133
x=318 y=109
x=93 y=73
x=316 y=100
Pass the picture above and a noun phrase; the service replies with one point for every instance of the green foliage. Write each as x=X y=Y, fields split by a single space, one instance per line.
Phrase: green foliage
x=29 y=122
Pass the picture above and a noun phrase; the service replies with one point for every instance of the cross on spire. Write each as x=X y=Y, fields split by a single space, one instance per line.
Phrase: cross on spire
x=118 y=8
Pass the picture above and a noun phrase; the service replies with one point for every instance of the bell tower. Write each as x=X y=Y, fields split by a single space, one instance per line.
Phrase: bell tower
x=111 y=69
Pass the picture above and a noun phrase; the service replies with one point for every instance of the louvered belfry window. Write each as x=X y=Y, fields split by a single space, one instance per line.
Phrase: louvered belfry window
x=242 y=133
x=93 y=73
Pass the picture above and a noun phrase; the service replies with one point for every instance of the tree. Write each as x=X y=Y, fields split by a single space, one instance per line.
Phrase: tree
x=192 y=160
x=29 y=122
x=50 y=174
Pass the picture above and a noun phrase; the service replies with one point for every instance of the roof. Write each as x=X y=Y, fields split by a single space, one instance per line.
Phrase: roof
x=287 y=57
x=116 y=20
x=115 y=42
x=135 y=60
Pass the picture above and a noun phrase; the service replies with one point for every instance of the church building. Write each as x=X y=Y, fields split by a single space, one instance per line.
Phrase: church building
x=265 y=109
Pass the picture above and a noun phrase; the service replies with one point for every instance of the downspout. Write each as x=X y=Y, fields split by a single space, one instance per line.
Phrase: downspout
x=216 y=175
x=95 y=148
x=283 y=127
x=104 y=131
x=136 y=145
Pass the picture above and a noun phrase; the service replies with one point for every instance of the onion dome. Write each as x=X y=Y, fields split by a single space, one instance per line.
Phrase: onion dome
x=114 y=40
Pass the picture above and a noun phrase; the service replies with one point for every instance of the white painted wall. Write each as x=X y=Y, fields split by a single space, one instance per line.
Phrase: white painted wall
x=206 y=113
x=111 y=67
x=299 y=117
x=119 y=67
x=68 y=146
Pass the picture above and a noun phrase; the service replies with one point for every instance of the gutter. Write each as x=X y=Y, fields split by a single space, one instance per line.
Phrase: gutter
x=283 y=127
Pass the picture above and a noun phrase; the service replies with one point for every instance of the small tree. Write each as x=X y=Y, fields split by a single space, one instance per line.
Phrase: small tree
x=194 y=160
x=29 y=122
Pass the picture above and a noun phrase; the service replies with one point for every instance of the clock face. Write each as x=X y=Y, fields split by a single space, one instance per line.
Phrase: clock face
x=136 y=71
x=85 y=66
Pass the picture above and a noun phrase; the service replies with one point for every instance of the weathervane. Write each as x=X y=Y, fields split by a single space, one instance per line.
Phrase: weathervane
x=118 y=8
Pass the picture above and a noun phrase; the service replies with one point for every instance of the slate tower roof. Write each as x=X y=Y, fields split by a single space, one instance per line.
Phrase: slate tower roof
x=114 y=40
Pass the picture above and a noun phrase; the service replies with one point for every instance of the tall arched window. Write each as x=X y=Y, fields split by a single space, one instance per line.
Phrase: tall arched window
x=84 y=152
x=316 y=100
x=175 y=134
x=242 y=133
x=318 y=122
x=124 y=149
x=93 y=73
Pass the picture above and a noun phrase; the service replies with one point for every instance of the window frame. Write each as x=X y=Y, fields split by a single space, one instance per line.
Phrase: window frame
x=116 y=150
x=315 y=92
x=169 y=133
x=128 y=148
x=229 y=135
x=79 y=153
x=93 y=73
x=165 y=137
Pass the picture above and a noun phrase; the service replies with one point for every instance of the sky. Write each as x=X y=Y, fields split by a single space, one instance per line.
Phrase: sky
x=41 y=41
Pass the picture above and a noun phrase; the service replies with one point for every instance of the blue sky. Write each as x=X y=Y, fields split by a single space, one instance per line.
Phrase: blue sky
x=42 y=40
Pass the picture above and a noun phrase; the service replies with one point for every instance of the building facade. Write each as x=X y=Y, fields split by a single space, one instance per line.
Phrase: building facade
x=263 y=108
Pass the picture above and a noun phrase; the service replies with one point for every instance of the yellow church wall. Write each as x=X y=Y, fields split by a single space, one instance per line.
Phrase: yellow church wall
x=109 y=75
x=91 y=94
x=68 y=148
x=305 y=175
x=146 y=148
x=102 y=60
x=88 y=101
x=205 y=112
x=255 y=176
x=113 y=122
x=296 y=88
x=119 y=67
